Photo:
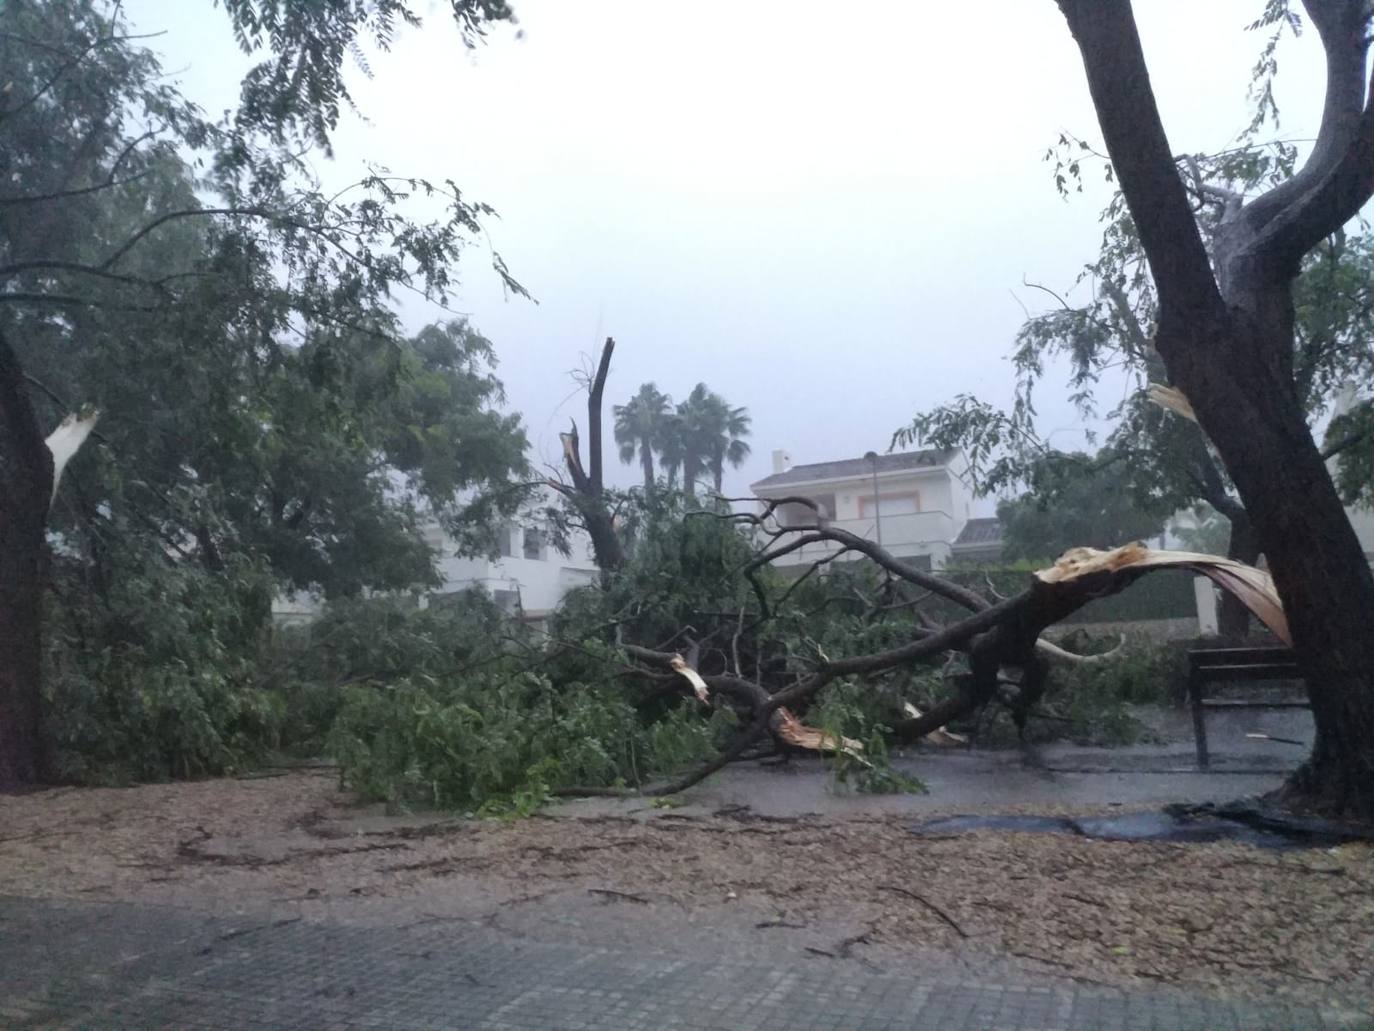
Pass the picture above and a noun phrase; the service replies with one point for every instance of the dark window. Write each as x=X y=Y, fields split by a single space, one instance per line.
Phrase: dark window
x=534 y=543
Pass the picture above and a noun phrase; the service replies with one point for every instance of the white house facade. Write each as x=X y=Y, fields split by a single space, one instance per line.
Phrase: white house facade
x=527 y=578
x=915 y=503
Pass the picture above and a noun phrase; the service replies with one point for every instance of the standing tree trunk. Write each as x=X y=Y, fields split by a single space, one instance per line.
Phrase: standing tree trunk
x=1227 y=341
x=691 y=472
x=1233 y=618
x=25 y=487
x=646 y=461
x=587 y=491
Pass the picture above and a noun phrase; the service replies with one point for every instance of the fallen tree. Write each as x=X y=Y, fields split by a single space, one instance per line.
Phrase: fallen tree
x=1001 y=640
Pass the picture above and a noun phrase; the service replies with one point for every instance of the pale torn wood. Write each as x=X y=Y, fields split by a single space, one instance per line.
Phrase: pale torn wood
x=66 y=440
x=1254 y=587
x=939 y=736
x=1173 y=399
x=679 y=665
x=1055 y=652
x=799 y=735
x=788 y=727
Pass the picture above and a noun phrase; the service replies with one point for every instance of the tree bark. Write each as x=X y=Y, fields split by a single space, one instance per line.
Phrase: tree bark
x=646 y=461
x=586 y=493
x=1227 y=341
x=1318 y=567
x=1233 y=618
x=25 y=489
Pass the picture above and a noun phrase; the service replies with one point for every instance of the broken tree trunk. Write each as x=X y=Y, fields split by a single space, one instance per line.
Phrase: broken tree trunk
x=587 y=493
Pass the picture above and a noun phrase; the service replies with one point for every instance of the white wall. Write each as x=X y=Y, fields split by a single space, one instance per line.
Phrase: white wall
x=945 y=504
x=541 y=582
x=1362 y=519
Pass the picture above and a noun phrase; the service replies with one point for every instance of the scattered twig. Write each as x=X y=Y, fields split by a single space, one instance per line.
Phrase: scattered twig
x=1085 y=899
x=1041 y=959
x=928 y=904
x=612 y=893
x=241 y=932
x=859 y=939
x=520 y=900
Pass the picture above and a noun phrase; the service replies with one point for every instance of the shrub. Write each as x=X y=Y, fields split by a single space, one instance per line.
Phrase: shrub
x=153 y=676
x=503 y=738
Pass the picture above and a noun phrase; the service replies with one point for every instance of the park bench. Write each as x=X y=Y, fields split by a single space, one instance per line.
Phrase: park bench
x=1232 y=665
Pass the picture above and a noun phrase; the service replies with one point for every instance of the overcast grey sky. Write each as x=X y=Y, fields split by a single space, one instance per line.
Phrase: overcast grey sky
x=827 y=218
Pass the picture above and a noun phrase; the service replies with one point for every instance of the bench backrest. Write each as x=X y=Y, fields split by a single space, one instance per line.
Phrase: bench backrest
x=1202 y=658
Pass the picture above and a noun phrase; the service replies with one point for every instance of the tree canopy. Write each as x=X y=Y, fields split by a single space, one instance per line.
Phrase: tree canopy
x=1075 y=500
x=263 y=409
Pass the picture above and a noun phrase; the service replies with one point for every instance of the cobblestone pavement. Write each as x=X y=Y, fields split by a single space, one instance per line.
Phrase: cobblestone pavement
x=70 y=964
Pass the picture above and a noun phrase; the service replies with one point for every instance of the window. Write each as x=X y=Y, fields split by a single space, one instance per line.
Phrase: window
x=534 y=542
x=503 y=535
x=890 y=505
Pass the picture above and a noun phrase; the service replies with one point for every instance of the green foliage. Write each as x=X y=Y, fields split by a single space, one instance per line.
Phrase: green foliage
x=1353 y=431
x=153 y=676
x=265 y=423
x=502 y=739
x=640 y=425
x=301 y=87
x=1104 y=325
x=1095 y=699
x=462 y=707
x=1209 y=534
x=1092 y=704
x=1075 y=501
x=681 y=562
x=232 y=321
x=859 y=711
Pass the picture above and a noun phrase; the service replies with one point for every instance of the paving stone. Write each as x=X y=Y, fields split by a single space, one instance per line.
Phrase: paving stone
x=91 y=965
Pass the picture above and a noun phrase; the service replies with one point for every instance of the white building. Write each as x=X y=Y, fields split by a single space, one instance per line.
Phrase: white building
x=528 y=577
x=917 y=504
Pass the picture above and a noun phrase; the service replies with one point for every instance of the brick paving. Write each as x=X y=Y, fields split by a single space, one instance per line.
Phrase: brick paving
x=77 y=964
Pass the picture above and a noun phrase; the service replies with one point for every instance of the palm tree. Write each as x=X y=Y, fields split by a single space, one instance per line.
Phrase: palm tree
x=671 y=451
x=711 y=433
x=730 y=445
x=639 y=427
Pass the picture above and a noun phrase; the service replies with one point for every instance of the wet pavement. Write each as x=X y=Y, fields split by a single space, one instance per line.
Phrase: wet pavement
x=108 y=965
x=77 y=962
x=1057 y=776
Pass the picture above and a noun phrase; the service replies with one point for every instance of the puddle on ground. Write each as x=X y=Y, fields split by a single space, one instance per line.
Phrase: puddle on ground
x=1186 y=824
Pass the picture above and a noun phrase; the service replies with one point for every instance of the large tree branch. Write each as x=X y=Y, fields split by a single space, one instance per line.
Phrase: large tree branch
x=1119 y=82
x=109 y=182
x=76 y=267
x=23 y=297
x=956 y=593
x=822 y=531
x=1288 y=221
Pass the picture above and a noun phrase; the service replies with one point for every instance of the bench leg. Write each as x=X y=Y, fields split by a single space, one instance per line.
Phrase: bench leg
x=1199 y=720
